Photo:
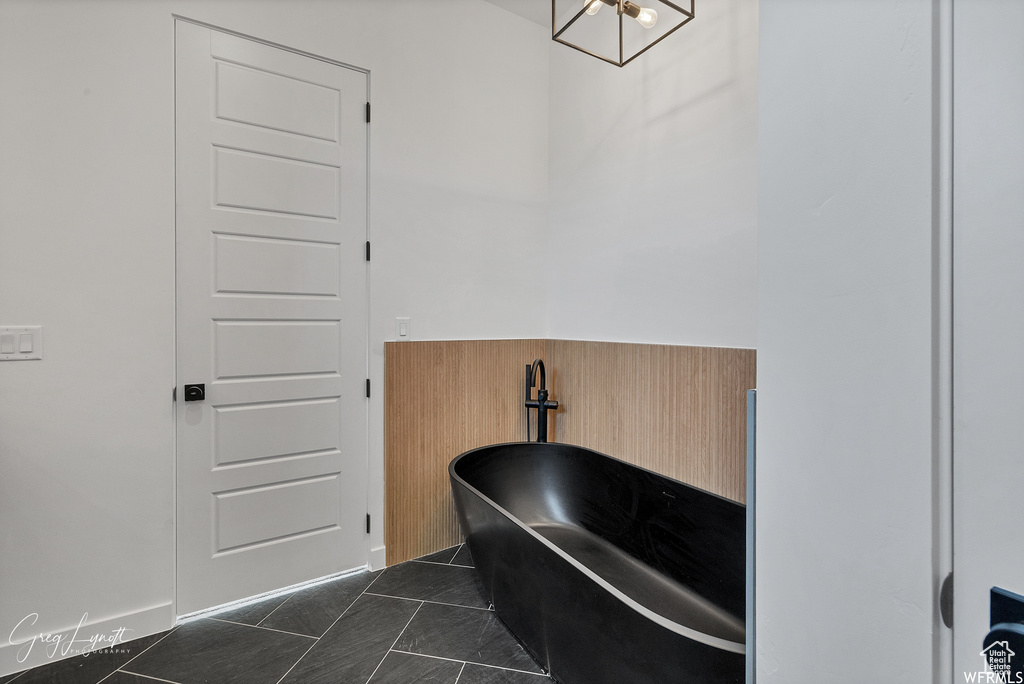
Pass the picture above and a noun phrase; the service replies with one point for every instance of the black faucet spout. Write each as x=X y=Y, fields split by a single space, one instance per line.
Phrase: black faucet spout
x=541 y=403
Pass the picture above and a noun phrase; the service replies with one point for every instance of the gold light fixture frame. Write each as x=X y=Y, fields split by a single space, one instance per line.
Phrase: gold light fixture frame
x=620 y=5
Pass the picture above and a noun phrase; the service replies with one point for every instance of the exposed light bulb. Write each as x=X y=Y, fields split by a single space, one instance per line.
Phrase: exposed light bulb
x=593 y=7
x=647 y=17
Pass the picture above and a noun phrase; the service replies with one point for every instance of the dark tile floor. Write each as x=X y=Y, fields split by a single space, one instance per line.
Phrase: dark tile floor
x=425 y=621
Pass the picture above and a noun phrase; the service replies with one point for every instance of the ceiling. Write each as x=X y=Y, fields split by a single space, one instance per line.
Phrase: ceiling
x=537 y=11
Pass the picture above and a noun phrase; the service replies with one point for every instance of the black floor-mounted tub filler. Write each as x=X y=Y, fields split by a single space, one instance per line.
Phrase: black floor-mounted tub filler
x=606 y=572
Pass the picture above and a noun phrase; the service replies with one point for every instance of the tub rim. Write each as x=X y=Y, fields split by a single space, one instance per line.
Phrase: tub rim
x=671 y=625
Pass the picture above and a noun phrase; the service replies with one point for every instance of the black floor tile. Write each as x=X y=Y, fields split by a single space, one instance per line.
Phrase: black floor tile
x=416 y=623
x=312 y=611
x=405 y=668
x=432 y=582
x=88 y=668
x=463 y=557
x=466 y=634
x=444 y=556
x=481 y=674
x=128 y=678
x=209 y=650
x=253 y=613
x=352 y=649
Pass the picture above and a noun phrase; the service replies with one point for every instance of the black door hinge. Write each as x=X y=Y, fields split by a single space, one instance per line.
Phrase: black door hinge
x=174 y=393
x=367 y=523
x=367 y=250
x=367 y=112
x=367 y=388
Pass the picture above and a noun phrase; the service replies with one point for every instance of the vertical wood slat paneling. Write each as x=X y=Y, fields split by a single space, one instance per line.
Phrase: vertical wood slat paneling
x=443 y=398
x=680 y=411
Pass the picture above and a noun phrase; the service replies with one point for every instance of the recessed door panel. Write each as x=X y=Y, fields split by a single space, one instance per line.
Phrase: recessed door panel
x=277 y=102
x=245 y=179
x=273 y=513
x=257 y=349
x=266 y=266
x=254 y=432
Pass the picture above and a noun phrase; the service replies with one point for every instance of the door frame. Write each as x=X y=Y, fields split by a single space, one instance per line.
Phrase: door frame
x=942 y=335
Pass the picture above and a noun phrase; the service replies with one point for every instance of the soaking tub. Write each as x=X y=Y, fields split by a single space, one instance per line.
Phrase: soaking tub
x=606 y=572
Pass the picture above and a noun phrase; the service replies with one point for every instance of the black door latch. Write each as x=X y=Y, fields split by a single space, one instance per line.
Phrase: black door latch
x=195 y=392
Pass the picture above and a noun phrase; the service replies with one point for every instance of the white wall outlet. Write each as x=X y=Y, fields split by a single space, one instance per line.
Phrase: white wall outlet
x=21 y=343
x=403 y=329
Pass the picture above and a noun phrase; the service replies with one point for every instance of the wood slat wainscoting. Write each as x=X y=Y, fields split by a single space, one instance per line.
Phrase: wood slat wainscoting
x=443 y=398
x=680 y=411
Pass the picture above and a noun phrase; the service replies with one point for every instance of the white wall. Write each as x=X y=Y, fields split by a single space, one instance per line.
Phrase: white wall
x=988 y=303
x=458 y=176
x=845 y=342
x=654 y=188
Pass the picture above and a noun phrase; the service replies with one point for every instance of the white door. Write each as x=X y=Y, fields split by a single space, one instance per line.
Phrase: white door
x=988 y=314
x=271 y=221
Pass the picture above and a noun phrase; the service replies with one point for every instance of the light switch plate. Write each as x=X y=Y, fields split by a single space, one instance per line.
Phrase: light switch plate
x=26 y=343
x=403 y=329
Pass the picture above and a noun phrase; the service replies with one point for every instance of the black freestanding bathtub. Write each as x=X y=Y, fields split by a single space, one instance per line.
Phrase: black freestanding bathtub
x=606 y=572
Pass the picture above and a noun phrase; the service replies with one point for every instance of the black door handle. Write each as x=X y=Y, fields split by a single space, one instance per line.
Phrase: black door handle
x=195 y=392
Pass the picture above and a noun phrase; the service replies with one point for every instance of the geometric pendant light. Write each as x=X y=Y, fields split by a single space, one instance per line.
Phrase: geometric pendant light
x=620 y=33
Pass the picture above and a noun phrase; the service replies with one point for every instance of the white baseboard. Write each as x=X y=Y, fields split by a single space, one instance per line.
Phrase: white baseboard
x=378 y=558
x=26 y=646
